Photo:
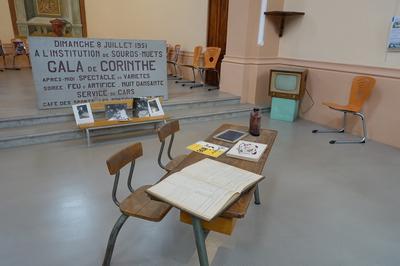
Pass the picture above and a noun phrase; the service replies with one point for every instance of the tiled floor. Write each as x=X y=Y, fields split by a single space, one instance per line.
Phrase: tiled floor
x=323 y=205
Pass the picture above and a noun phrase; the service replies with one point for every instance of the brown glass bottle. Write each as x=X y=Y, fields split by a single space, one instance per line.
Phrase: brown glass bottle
x=255 y=122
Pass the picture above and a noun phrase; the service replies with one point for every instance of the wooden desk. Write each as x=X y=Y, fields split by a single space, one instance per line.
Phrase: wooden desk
x=226 y=221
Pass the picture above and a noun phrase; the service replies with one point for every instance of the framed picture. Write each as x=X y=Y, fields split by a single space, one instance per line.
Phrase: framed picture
x=83 y=113
x=51 y=18
x=394 y=36
x=116 y=112
x=155 y=108
x=140 y=107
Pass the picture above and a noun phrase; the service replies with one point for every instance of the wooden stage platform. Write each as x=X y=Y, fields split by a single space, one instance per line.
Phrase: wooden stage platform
x=22 y=123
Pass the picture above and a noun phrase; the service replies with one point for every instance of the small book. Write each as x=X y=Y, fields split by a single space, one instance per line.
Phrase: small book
x=204 y=189
x=207 y=148
x=155 y=108
x=116 y=112
x=230 y=135
x=140 y=107
x=247 y=150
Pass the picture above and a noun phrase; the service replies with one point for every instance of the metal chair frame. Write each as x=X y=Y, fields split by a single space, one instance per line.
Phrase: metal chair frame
x=361 y=89
x=171 y=140
x=122 y=219
x=195 y=66
x=124 y=157
x=174 y=62
x=363 y=139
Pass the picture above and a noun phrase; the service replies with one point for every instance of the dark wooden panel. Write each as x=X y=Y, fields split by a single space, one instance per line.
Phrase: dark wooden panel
x=217 y=31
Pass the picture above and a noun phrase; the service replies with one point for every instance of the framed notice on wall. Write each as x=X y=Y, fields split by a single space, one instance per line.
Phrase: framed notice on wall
x=70 y=71
x=394 y=35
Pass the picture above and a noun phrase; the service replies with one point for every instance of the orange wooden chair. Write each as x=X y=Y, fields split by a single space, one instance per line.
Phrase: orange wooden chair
x=3 y=55
x=174 y=60
x=19 y=49
x=360 y=91
x=138 y=203
x=194 y=66
x=211 y=57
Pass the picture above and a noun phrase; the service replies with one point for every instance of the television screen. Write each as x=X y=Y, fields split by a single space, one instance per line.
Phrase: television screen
x=285 y=82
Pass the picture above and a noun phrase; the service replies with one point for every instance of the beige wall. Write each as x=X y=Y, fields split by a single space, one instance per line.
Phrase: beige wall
x=341 y=31
x=335 y=41
x=6 y=31
x=240 y=74
x=177 y=21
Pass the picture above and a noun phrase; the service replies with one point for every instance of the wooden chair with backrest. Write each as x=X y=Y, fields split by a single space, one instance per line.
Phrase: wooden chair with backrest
x=361 y=90
x=19 y=50
x=138 y=203
x=169 y=130
x=174 y=60
x=211 y=57
x=194 y=66
x=3 y=55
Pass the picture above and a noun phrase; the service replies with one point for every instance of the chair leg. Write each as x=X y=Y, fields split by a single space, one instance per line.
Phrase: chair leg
x=113 y=237
x=363 y=139
x=184 y=82
x=201 y=84
x=257 y=196
x=215 y=88
x=13 y=65
x=340 y=130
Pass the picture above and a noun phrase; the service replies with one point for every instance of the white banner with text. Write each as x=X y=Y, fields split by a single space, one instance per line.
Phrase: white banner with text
x=68 y=71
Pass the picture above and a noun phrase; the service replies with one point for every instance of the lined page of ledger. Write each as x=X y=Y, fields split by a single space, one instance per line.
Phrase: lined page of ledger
x=205 y=188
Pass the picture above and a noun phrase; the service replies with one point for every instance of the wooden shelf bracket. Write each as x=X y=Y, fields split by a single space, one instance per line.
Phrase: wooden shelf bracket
x=282 y=15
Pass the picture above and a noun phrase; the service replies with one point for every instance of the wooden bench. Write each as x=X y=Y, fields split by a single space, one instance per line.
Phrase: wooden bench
x=104 y=123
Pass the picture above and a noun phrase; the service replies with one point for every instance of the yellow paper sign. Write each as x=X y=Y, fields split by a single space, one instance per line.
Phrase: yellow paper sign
x=207 y=148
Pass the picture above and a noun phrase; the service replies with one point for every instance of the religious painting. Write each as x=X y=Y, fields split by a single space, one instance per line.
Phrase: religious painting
x=48 y=8
x=52 y=18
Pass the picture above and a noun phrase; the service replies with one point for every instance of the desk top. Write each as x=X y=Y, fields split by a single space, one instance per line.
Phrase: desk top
x=238 y=208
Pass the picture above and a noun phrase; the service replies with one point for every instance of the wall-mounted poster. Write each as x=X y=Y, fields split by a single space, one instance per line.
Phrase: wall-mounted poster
x=394 y=37
x=69 y=71
x=61 y=18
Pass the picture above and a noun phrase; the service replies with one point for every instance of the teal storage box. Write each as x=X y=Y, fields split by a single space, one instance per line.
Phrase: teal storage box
x=284 y=109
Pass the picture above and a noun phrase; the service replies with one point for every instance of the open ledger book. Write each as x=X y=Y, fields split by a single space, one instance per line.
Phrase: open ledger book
x=205 y=188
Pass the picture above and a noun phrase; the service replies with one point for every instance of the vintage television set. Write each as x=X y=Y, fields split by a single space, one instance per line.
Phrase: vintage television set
x=289 y=83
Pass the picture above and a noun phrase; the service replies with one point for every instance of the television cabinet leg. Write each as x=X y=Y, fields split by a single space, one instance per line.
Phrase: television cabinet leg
x=200 y=238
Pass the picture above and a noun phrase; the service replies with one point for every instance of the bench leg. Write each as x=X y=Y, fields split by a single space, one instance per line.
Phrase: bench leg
x=88 y=137
x=113 y=237
x=257 y=196
x=200 y=238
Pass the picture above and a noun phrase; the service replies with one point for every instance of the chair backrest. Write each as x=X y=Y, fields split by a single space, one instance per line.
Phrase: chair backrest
x=177 y=50
x=168 y=129
x=123 y=157
x=361 y=89
x=196 y=55
x=211 y=56
x=19 y=46
x=2 y=52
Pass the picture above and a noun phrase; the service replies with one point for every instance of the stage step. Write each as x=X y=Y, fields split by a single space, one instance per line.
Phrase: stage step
x=66 y=115
x=29 y=132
